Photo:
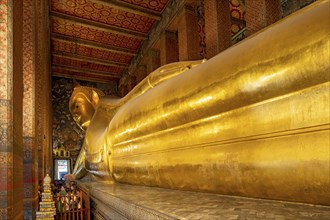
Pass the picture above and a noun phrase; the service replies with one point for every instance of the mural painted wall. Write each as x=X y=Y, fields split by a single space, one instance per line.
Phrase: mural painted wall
x=65 y=131
x=290 y=6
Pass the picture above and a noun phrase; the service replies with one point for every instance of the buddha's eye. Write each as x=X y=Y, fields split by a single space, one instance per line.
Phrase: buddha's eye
x=77 y=106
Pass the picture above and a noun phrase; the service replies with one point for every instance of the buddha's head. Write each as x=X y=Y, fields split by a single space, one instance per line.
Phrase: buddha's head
x=83 y=103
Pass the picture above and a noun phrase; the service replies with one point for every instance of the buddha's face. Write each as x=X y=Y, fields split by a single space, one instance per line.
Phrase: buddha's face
x=82 y=110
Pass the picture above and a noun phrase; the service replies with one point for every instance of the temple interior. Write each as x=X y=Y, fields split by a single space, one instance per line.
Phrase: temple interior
x=164 y=109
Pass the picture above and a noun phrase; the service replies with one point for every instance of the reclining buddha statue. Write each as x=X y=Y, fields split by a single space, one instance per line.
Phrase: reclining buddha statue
x=252 y=121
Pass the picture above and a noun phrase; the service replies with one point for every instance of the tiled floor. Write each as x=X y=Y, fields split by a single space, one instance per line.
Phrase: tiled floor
x=173 y=204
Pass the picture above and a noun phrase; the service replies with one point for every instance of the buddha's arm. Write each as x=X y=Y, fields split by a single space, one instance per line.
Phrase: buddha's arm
x=155 y=78
x=160 y=75
x=79 y=169
x=93 y=152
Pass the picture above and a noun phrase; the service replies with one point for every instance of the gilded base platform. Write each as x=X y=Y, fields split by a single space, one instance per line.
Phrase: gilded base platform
x=119 y=201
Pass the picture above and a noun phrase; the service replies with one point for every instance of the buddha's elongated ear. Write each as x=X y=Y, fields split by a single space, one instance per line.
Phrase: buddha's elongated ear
x=95 y=98
x=75 y=83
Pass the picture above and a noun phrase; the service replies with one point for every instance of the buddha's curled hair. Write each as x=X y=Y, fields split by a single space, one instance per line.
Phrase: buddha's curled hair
x=86 y=91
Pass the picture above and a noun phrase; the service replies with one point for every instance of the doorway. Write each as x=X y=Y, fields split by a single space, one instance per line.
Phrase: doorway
x=61 y=167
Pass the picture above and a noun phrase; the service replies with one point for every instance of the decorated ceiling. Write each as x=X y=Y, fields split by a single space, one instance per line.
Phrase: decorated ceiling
x=96 y=40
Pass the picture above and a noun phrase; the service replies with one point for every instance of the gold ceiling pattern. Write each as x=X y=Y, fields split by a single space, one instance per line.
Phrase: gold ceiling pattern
x=92 y=10
x=72 y=29
x=78 y=74
x=82 y=64
x=70 y=49
x=154 y=5
x=99 y=37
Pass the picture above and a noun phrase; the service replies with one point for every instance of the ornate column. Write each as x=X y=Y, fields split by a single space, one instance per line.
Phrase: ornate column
x=188 y=37
x=153 y=61
x=217 y=26
x=169 y=51
x=261 y=13
x=141 y=73
x=131 y=82
x=11 y=95
x=126 y=84
x=43 y=111
x=30 y=167
x=122 y=86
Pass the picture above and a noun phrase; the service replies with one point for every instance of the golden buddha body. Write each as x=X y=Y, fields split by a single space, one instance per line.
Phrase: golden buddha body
x=252 y=121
